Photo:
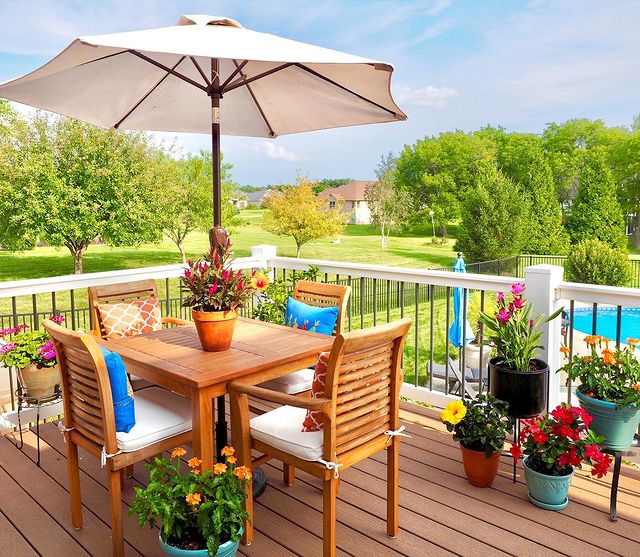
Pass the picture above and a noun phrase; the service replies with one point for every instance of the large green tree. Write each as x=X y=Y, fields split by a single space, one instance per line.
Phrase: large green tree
x=625 y=161
x=595 y=212
x=69 y=183
x=495 y=218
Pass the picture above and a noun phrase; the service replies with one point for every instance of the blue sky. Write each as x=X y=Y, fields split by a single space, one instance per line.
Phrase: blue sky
x=459 y=65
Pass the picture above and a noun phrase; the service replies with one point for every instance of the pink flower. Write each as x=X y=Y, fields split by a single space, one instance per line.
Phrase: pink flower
x=13 y=330
x=517 y=289
x=593 y=452
x=500 y=297
x=48 y=350
x=187 y=274
x=226 y=275
x=8 y=347
x=57 y=319
x=518 y=302
x=503 y=315
x=213 y=289
x=240 y=284
x=531 y=323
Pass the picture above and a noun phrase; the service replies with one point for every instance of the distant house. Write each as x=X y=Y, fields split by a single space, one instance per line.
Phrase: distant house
x=256 y=197
x=354 y=202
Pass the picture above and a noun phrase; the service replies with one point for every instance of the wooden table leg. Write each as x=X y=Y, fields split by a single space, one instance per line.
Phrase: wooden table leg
x=202 y=419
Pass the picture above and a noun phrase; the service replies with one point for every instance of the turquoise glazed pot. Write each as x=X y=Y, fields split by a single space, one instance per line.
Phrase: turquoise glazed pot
x=616 y=425
x=547 y=492
x=227 y=549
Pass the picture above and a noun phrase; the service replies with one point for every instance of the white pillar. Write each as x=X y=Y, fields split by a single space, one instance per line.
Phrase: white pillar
x=542 y=283
x=264 y=253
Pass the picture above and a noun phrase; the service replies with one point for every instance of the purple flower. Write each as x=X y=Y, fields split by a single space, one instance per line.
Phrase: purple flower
x=531 y=323
x=500 y=297
x=57 y=319
x=517 y=289
x=13 y=330
x=48 y=350
x=8 y=347
x=518 y=302
x=503 y=315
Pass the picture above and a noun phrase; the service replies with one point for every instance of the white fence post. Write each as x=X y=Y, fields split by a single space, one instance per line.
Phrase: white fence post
x=264 y=253
x=543 y=282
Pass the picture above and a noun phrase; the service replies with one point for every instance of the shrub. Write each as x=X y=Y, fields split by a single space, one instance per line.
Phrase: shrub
x=594 y=262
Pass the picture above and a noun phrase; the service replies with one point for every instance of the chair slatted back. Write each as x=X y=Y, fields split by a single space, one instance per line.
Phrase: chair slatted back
x=86 y=390
x=364 y=379
x=324 y=295
x=116 y=293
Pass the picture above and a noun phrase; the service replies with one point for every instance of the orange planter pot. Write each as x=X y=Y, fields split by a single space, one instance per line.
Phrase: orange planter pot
x=40 y=382
x=215 y=329
x=480 y=469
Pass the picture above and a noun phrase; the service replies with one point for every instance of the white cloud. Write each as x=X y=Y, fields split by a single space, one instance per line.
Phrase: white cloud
x=429 y=96
x=438 y=7
x=274 y=151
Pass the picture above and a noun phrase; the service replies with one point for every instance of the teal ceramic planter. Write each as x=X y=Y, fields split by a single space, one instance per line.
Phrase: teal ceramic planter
x=616 y=425
x=547 y=492
x=227 y=549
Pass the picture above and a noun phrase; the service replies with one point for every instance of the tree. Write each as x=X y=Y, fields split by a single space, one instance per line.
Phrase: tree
x=495 y=218
x=596 y=213
x=295 y=211
x=68 y=183
x=594 y=262
x=185 y=196
x=625 y=160
x=388 y=206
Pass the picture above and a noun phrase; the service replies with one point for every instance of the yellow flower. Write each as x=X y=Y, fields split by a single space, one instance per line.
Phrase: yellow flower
x=228 y=451
x=454 y=412
x=193 y=499
x=260 y=281
x=232 y=459
x=177 y=453
x=194 y=462
x=243 y=472
x=219 y=468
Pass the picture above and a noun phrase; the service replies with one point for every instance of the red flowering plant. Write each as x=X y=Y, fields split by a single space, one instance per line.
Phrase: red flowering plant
x=24 y=347
x=560 y=441
x=212 y=285
x=513 y=329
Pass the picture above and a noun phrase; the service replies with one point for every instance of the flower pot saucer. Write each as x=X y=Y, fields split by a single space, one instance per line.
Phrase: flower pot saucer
x=548 y=506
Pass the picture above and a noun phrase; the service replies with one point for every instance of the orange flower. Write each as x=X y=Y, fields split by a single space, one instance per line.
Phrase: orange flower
x=633 y=342
x=565 y=349
x=177 y=453
x=219 y=468
x=592 y=339
x=608 y=357
x=194 y=462
x=232 y=459
x=196 y=471
x=243 y=472
x=193 y=499
x=635 y=387
x=228 y=451
x=586 y=358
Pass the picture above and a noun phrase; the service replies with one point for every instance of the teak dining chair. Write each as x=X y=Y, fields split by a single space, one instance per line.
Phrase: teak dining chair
x=163 y=421
x=360 y=418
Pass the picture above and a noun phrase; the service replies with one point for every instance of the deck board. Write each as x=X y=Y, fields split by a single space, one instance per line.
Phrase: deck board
x=440 y=512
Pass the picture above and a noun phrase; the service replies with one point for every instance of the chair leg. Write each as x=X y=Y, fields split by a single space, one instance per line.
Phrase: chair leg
x=128 y=471
x=288 y=474
x=247 y=536
x=74 y=484
x=115 y=496
x=393 y=454
x=329 y=493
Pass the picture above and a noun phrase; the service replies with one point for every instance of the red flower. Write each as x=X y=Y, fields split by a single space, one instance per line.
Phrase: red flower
x=601 y=467
x=540 y=437
x=515 y=451
x=593 y=452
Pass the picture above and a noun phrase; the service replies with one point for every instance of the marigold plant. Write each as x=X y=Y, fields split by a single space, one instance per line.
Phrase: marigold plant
x=197 y=509
x=607 y=374
x=561 y=440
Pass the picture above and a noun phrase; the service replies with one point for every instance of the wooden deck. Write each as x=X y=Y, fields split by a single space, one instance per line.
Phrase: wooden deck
x=441 y=514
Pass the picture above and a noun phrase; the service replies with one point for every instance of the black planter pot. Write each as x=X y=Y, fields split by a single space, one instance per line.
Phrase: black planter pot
x=525 y=391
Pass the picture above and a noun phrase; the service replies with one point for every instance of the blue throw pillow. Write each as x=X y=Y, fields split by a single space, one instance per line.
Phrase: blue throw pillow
x=123 y=406
x=311 y=318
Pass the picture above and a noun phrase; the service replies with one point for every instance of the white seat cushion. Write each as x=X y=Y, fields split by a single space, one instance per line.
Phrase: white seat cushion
x=282 y=428
x=292 y=383
x=159 y=414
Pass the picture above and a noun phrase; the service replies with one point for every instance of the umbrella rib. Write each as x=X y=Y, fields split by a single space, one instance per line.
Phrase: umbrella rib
x=255 y=101
x=247 y=80
x=195 y=63
x=336 y=84
x=234 y=73
x=146 y=96
x=169 y=70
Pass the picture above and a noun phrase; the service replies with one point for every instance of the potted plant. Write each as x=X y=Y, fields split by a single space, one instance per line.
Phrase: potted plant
x=609 y=389
x=555 y=445
x=515 y=376
x=215 y=292
x=480 y=426
x=200 y=513
x=34 y=354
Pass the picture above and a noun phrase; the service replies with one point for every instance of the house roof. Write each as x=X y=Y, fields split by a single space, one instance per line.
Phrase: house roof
x=256 y=196
x=353 y=191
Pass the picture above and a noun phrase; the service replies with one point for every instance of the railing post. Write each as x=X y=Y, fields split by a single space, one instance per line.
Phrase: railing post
x=264 y=253
x=542 y=283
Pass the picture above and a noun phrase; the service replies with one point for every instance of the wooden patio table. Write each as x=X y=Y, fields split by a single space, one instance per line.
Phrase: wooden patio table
x=174 y=359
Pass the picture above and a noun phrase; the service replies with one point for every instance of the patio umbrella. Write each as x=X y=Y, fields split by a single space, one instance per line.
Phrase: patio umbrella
x=208 y=74
x=460 y=333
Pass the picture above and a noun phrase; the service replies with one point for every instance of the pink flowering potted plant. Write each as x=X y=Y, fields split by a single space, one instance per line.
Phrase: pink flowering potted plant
x=34 y=354
x=515 y=374
x=215 y=292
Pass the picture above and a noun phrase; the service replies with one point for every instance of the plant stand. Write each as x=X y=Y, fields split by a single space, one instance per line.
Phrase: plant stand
x=24 y=402
x=613 y=501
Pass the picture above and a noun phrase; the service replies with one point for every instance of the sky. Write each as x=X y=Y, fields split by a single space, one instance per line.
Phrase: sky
x=459 y=64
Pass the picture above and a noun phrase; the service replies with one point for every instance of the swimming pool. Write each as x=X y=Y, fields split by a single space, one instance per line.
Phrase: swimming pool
x=607 y=322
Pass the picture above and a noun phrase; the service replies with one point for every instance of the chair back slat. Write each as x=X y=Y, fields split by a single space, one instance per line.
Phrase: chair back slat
x=86 y=390
x=117 y=293
x=324 y=295
x=364 y=377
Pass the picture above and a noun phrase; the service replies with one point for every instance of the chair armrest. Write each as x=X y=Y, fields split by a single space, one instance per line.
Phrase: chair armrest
x=176 y=321
x=320 y=404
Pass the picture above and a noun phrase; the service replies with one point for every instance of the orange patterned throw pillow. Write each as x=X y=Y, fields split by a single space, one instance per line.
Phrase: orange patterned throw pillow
x=130 y=318
x=313 y=421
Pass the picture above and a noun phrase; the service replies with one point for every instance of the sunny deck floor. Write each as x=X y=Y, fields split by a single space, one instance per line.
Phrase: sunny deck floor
x=441 y=514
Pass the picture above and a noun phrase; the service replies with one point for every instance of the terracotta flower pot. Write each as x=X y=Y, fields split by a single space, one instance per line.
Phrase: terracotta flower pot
x=40 y=382
x=215 y=329
x=480 y=469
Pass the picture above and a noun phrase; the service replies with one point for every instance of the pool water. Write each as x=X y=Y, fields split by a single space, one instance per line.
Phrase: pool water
x=607 y=322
